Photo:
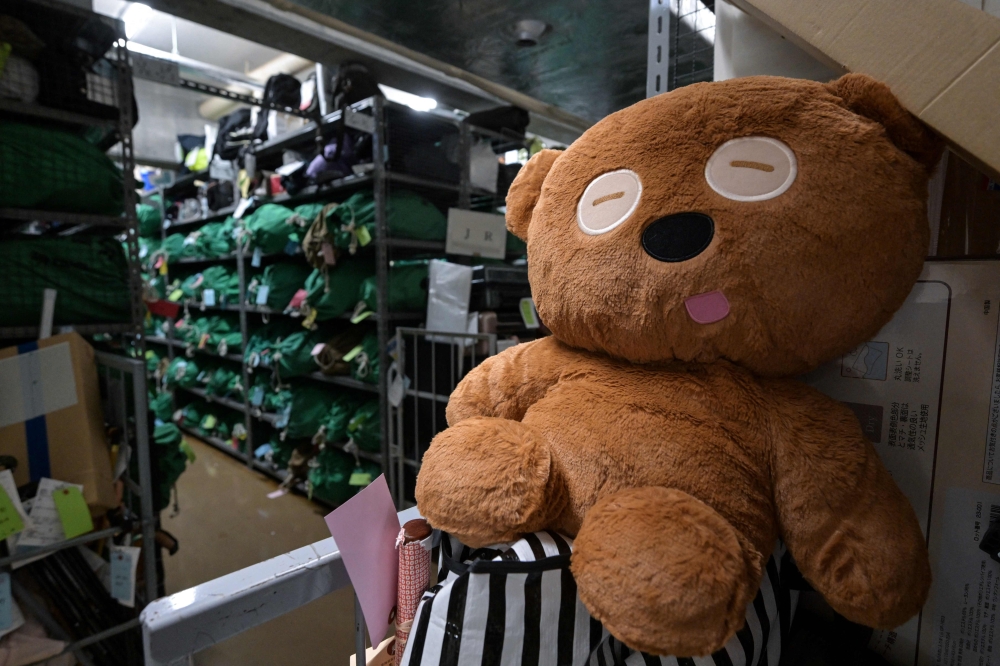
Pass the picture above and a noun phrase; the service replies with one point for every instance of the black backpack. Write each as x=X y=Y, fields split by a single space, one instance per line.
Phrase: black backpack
x=234 y=133
x=352 y=83
x=280 y=89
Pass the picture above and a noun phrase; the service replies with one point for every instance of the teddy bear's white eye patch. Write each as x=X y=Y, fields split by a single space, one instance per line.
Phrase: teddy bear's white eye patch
x=608 y=201
x=752 y=168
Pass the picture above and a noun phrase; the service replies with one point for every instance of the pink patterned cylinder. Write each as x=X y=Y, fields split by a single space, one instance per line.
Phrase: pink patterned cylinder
x=414 y=578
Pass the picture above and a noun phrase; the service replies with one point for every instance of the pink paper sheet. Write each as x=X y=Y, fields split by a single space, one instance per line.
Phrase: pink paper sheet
x=365 y=529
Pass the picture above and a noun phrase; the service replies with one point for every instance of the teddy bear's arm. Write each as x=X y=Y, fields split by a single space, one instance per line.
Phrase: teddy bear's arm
x=505 y=385
x=853 y=534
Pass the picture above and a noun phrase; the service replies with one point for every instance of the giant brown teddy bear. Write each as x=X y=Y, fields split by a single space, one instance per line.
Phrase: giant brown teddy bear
x=692 y=254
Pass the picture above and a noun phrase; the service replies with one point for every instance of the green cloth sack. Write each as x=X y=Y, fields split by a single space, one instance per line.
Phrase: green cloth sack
x=169 y=461
x=310 y=407
x=338 y=418
x=56 y=171
x=152 y=360
x=182 y=372
x=330 y=480
x=261 y=342
x=162 y=405
x=215 y=240
x=150 y=221
x=408 y=282
x=173 y=247
x=271 y=228
x=90 y=274
x=364 y=365
x=225 y=383
x=335 y=291
x=192 y=414
x=292 y=355
x=408 y=215
x=306 y=213
x=224 y=281
x=365 y=427
x=282 y=280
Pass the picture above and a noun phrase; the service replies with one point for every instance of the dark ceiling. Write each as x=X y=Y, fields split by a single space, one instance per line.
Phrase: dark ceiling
x=591 y=61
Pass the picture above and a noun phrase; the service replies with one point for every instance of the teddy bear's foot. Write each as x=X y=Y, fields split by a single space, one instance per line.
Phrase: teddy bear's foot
x=662 y=571
x=488 y=480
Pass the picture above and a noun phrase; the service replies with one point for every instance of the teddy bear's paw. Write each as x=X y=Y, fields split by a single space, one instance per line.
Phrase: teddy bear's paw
x=662 y=571
x=488 y=480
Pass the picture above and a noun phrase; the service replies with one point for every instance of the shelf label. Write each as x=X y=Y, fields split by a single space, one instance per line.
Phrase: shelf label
x=476 y=234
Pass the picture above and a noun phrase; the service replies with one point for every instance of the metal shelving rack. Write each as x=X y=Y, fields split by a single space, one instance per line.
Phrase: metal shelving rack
x=372 y=116
x=122 y=379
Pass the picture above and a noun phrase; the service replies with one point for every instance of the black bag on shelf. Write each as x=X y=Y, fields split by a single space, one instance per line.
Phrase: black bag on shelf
x=280 y=89
x=219 y=194
x=234 y=133
x=503 y=119
x=352 y=84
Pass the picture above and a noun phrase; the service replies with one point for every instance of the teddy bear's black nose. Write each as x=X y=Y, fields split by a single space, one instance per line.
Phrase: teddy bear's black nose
x=678 y=237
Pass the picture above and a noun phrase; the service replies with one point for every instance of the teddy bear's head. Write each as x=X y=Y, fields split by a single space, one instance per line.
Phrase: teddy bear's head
x=772 y=222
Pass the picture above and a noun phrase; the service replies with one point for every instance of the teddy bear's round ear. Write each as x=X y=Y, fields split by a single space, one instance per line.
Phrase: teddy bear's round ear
x=874 y=100
x=526 y=189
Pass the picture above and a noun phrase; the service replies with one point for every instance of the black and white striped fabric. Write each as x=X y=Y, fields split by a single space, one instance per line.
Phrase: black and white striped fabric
x=516 y=605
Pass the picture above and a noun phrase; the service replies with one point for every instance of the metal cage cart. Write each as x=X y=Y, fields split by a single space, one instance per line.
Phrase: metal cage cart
x=98 y=630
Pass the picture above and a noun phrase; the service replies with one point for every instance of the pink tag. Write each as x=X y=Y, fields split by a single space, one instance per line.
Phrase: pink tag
x=318 y=349
x=328 y=256
x=277 y=493
x=365 y=529
x=297 y=299
x=159 y=262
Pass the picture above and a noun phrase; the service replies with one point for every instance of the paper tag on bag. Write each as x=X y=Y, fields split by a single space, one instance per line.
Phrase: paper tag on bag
x=175 y=295
x=73 y=512
x=12 y=516
x=242 y=208
x=124 y=563
x=208 y=297
x=255 y=259
x=262 y=293
x=329 y=258
x=364 y=236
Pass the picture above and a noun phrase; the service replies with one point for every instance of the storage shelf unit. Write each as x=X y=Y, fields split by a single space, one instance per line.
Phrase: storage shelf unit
x=381 y=177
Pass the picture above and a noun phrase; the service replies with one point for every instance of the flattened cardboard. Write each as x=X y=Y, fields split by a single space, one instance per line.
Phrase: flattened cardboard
x=940 y=57
x=77 y=446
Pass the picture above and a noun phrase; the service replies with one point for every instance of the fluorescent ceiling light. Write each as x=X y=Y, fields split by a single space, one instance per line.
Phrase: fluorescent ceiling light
x=698 y=18
x=415 y=102
x=136 y=16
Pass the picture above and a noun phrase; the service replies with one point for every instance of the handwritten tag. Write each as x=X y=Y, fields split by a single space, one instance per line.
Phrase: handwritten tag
x=10 y=490
x=209 y=421
x=262 y=293
x=255 y=259
x=124 y=563
x=10 y=520
x=361 y=479
x=364 y=236
x=318 y=349
x=175 y=295
x=297 y=300
x=208 y=297
x=257 y=396
x=73 y=512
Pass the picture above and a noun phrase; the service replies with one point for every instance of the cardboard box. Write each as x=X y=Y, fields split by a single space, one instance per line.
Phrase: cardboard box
x=926 y=389
x=940 y=57
x=50 y=416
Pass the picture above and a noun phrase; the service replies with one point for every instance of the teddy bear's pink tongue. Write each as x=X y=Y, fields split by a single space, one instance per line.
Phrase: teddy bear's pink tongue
x=708 y=308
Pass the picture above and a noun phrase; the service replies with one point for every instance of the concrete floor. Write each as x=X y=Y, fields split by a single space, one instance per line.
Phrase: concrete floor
x=226 y=522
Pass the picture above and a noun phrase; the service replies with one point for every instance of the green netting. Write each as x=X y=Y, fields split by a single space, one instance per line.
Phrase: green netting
x=292 y=356
x=330 y=480
x=170 y=462
x=335 y=291
x=57 y=171
x=90 y=274
x=408 y=215
x=182 y=372
x=150 y=221
x=310 y=406
x=364 y=427
x=282 y=280
x=271 y=228
x=408 y=283
x=162 y=406
x=364 y=365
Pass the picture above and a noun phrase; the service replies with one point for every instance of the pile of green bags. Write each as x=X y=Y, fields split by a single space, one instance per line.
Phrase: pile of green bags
x=408 y=215
x=292 y=354
x=90 y=274
x=169 y=459
x=261 y=343
x=322 y=411
x=335 y=291
x=181 y=373
x=408 y=283
x=337 y=477
x=150 y=220
x=266 y=398
x=364 y=364
x=162 y=405
x=209 y=420
x=272 y=228
x=282 y=280
x=225 y=382
x=53 y=170
x=364 y=428
x=219 y=334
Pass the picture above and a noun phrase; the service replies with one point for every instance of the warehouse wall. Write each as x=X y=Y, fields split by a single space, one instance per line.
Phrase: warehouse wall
x=165 y=112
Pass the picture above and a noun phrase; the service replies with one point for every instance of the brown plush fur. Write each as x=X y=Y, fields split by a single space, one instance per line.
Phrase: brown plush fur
x=676 y=452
